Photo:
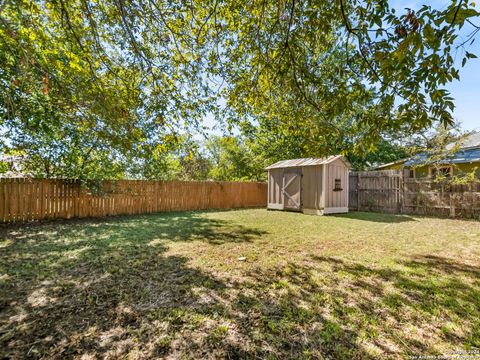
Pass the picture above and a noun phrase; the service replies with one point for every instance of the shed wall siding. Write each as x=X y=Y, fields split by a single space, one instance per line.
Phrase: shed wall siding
x=312 y=187
x=336 y=199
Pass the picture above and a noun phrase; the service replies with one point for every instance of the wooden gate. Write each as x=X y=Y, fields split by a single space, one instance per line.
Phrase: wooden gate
x=376 y=191
x=292 y=189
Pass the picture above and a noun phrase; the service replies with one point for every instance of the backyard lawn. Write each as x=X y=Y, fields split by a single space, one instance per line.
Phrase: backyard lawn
x=240 y=284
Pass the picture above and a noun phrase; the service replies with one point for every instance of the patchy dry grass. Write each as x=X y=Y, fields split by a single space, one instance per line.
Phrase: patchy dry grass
x=171 y=285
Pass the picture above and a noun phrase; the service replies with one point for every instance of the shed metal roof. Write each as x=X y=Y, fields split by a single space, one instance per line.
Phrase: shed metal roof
x=307 y=162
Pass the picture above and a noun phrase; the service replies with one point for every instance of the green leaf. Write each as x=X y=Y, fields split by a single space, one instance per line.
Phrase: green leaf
x=470 y=55
x=429 y=33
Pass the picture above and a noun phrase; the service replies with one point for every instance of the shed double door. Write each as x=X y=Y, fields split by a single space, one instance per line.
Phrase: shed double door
x=292 y=189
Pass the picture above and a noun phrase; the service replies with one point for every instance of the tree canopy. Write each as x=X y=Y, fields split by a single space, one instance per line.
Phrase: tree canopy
x=107 y=89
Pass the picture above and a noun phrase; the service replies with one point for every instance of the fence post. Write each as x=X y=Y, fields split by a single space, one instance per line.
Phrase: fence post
x=452 y=204
x=358 y=191
x=402 y=192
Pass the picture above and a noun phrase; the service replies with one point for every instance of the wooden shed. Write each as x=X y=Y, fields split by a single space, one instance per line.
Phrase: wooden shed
x=313 y=186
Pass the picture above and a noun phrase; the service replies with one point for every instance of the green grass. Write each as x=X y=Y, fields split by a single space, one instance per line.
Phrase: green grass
x=359 y=285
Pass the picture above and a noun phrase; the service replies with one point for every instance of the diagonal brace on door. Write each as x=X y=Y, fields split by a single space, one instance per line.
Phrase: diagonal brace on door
x=287 y=194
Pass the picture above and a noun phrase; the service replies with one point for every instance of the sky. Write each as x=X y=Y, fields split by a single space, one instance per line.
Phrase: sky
x=466 y=92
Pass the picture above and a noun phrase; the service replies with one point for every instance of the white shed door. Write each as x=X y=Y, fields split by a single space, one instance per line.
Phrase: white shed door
x=292 y=183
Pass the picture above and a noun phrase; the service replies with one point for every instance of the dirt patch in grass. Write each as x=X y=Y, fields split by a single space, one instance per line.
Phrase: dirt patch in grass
x=172 y=286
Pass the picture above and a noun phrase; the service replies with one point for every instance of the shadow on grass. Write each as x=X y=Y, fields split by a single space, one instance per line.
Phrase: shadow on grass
x=329 y=308
x=436 y=298
x=375 y=217
x=108 y=289
x=68 y=288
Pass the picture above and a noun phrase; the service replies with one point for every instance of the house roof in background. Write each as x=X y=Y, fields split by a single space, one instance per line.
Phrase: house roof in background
x=401 y=161
x=471 y=141
x=469 y=152
x=461 y=156
x=12 y=158
x=307 y=162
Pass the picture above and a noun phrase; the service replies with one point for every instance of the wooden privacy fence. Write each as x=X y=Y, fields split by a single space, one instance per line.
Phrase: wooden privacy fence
x=24 y=199
x=389 y=191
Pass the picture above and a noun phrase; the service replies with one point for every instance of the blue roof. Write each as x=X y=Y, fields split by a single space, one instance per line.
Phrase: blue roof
x=461 y=156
